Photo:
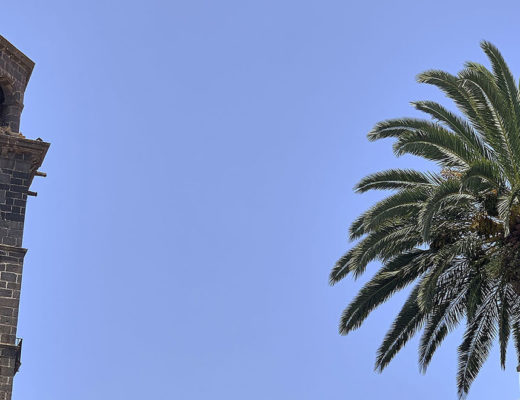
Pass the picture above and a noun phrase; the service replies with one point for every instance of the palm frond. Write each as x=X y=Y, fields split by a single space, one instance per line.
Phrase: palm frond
x=516 y=338
x=383 y=244
x=504 y=324
x=451 y=86
x=394 y=276
x=409 y=320
x=399 y=204
x=448 y=192
x=456 y=124
x=393 y=128
x=442 y=320
x=476 y=344
x=499 y=134
x=506 y=83
x=484 y=170
x=505 y=207
x=396 y=179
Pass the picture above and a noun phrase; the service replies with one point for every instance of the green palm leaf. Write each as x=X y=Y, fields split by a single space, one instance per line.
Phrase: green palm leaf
x=396 y=179
x=477 y=342
x=394 y=276
x=442 y=320
x=409 y=320
x=459 y=126
x=447 y=193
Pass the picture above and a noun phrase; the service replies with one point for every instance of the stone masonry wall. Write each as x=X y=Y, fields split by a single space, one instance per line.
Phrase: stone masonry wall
x=8 y=357
x=19 y=159
x=15 y=179
x=11 y=265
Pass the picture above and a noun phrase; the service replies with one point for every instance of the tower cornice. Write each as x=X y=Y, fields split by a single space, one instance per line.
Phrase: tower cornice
x=19 y=57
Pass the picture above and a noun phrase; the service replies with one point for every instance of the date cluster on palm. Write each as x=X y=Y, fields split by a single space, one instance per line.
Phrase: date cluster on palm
x=453 y=232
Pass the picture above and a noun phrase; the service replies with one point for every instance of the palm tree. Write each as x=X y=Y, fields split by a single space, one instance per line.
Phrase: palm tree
x=455 y=232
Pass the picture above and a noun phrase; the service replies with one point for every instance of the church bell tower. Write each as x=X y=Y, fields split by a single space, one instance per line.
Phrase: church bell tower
x=20 y=159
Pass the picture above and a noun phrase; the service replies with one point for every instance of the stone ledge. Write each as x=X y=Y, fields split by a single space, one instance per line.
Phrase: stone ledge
x=18 y=55
x=13 y=249
x=18 y=144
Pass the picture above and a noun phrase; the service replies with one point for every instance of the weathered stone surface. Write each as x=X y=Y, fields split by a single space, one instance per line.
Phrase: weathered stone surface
x=19 y=160
x=15 y=71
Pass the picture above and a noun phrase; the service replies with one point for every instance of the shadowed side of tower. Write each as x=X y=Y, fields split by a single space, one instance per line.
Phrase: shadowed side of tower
x=20 y=159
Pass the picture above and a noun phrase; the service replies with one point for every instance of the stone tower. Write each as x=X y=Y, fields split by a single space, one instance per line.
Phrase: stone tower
x=20 y=159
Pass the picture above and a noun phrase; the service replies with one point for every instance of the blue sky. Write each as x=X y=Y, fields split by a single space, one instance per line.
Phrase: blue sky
x=200 y=188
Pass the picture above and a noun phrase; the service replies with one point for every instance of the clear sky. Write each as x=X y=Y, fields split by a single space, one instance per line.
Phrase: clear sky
x=199 y=190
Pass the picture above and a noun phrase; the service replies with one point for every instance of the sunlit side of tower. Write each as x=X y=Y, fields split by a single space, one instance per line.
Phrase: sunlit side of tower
x=20 y=159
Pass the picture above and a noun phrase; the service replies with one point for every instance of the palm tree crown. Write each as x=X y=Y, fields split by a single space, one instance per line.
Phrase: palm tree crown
x=454 y=233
